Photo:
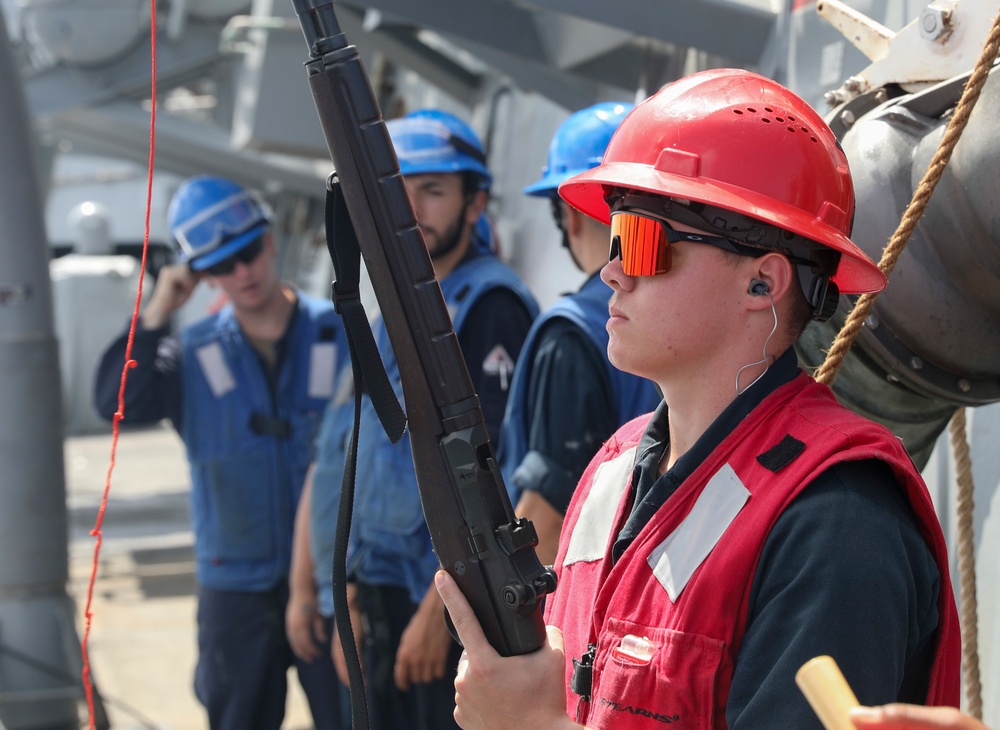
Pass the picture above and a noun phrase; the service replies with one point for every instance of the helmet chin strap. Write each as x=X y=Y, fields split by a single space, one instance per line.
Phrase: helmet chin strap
x=557 y=215
x=569 y=249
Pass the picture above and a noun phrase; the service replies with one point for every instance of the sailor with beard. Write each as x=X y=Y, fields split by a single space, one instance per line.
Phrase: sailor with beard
x=408 y=655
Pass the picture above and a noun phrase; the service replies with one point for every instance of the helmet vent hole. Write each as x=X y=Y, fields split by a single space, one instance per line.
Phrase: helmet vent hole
x=751 y=110
x=814 y=139
x=768 y=109
x=779 y=120
x=790 y=117
x=738 y=111
x=791 y=129
x=765 y=120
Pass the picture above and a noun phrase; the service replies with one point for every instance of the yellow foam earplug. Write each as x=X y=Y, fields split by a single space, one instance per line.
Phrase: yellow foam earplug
x=828 y=692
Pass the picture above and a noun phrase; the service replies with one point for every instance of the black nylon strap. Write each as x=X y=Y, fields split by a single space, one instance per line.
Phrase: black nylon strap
x=338 y=577
x=345 y=252
x=342 y=242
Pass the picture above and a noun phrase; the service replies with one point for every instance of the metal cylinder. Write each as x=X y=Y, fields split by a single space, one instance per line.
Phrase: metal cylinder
x=936 y=328
x=932 y=341
x=39 y=654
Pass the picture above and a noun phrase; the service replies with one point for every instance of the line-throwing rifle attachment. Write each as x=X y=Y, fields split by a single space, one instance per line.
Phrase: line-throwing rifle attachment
x=472 y=525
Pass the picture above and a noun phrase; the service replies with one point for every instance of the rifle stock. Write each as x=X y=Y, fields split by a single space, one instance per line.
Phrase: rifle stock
x=471 y=522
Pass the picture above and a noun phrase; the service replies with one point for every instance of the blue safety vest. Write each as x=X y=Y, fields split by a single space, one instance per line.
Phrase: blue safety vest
x=390 y=543
x=588 y=310
x=249 y=447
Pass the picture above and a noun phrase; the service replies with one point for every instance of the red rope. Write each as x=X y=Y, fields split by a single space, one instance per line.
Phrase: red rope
x=129 y=363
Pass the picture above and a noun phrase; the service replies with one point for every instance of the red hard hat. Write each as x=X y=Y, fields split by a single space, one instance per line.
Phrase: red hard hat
x=736 y=140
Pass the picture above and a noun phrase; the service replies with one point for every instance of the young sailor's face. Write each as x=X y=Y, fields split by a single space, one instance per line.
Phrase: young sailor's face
x=673 y=325
x=250 y=284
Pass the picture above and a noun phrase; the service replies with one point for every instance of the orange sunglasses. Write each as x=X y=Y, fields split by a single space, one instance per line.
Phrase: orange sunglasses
x=642 y=242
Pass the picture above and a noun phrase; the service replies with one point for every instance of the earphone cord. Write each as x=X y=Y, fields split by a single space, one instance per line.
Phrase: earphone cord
x=766 y=359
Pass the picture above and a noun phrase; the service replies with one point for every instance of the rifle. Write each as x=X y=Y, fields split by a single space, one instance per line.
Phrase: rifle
x=477 y=539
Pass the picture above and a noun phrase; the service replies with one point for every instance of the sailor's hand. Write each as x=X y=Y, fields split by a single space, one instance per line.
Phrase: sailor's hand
x=424 y=646
x=494 y=692
x=913 y=717
x=304 y=626
x=174 y=285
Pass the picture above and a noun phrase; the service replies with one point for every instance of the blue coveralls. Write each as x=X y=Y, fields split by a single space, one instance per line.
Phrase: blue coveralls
x=249 y=440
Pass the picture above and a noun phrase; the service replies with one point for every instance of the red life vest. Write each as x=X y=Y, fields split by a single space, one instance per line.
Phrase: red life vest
x=668 y=618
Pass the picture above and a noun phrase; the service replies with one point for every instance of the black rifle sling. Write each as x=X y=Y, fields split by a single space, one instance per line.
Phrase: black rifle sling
x=342 y=242
x=341 y=610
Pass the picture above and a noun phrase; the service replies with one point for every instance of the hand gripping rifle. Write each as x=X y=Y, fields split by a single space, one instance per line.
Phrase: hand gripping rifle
x=472 y=525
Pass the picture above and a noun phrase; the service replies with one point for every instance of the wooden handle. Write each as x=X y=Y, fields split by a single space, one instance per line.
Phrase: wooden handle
x=828 y=692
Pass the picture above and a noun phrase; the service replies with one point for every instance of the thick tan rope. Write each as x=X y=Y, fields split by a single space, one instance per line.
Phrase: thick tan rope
x=967 y=566
x=849 y=332
x=827 y=372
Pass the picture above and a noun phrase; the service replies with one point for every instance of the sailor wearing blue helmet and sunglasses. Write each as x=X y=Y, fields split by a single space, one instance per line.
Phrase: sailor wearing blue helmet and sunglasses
x=246 y=389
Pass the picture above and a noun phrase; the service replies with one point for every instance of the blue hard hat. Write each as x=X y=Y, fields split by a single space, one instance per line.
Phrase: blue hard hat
x=211 y=218
x=434 y=141
x=579 y=144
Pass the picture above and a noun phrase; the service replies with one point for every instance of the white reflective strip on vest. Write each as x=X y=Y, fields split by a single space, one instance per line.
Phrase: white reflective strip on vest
x=322 y=363
x=676 y=559
x=217 y=373
x=592 y=531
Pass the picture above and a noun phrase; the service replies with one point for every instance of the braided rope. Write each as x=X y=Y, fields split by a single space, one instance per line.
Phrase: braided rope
x=827 y=372
x=967 y=565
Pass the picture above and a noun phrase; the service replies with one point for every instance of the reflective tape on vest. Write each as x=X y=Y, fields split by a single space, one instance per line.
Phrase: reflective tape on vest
x=676 y=559
x=589 y=540
x=322 y=364
x=217 y=373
